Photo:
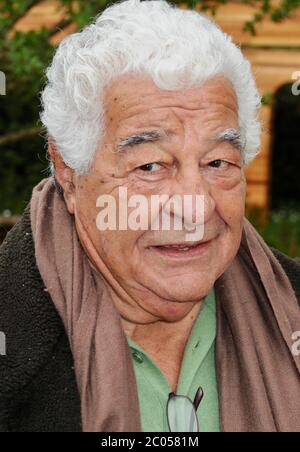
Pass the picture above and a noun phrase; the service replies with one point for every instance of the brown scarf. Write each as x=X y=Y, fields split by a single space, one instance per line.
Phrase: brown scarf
x=258 y=376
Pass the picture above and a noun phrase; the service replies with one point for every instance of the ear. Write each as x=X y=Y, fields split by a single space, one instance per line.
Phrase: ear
x=64 y=175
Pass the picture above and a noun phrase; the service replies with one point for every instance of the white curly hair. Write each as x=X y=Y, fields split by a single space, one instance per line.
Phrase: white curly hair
x=176 y=48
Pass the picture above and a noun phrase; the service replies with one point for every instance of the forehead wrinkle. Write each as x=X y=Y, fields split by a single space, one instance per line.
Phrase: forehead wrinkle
x=138 y=95
x=209 y=114
x=140 y=105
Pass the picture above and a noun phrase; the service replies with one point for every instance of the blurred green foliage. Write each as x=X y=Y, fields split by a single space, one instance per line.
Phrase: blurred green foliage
x=281 y=231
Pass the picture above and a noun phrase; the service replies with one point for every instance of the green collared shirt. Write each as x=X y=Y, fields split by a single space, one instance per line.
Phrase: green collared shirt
x=198 y=369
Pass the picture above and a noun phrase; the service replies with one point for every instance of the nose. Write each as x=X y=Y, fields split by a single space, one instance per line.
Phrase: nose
x=192 y=194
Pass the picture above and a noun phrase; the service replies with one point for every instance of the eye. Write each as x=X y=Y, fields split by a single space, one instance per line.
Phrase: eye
x=150 y=167
x=220 y=164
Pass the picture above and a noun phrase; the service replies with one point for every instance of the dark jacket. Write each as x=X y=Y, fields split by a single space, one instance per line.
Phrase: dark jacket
x=38 y=391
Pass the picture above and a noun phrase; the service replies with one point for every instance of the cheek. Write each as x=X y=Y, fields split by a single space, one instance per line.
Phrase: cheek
x=87 y=211
x=230 y=205
x=119 y=251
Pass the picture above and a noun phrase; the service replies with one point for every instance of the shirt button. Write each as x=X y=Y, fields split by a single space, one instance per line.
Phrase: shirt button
x=196 y=345
x=138 y=357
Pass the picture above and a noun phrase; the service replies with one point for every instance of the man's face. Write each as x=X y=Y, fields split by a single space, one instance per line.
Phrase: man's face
x=188 y=159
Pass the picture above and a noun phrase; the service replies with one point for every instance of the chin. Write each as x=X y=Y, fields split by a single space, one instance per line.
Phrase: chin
x=183 y=290
x=171 y=311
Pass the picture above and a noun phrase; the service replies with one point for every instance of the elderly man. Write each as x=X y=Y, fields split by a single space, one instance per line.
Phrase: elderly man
x=114 y=322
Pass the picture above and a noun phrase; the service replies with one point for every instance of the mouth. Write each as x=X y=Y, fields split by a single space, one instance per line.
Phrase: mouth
x=184 y=249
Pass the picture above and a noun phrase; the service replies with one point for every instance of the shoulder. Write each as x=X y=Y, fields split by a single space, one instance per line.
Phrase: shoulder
x=28 y=318
x=37 y=378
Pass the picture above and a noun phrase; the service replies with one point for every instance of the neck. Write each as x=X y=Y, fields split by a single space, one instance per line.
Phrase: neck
x=158 y=330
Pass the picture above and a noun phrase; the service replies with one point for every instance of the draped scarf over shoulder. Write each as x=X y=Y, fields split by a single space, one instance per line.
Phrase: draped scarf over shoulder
x=257 y=310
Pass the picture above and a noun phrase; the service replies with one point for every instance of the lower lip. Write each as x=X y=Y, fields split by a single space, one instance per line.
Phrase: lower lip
x=192 y=252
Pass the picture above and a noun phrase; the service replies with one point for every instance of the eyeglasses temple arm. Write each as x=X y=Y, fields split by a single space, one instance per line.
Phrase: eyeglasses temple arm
x=198 y=398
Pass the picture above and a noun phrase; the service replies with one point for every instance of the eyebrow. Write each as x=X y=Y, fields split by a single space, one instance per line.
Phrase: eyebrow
x=232 y=136
x=152 y=136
